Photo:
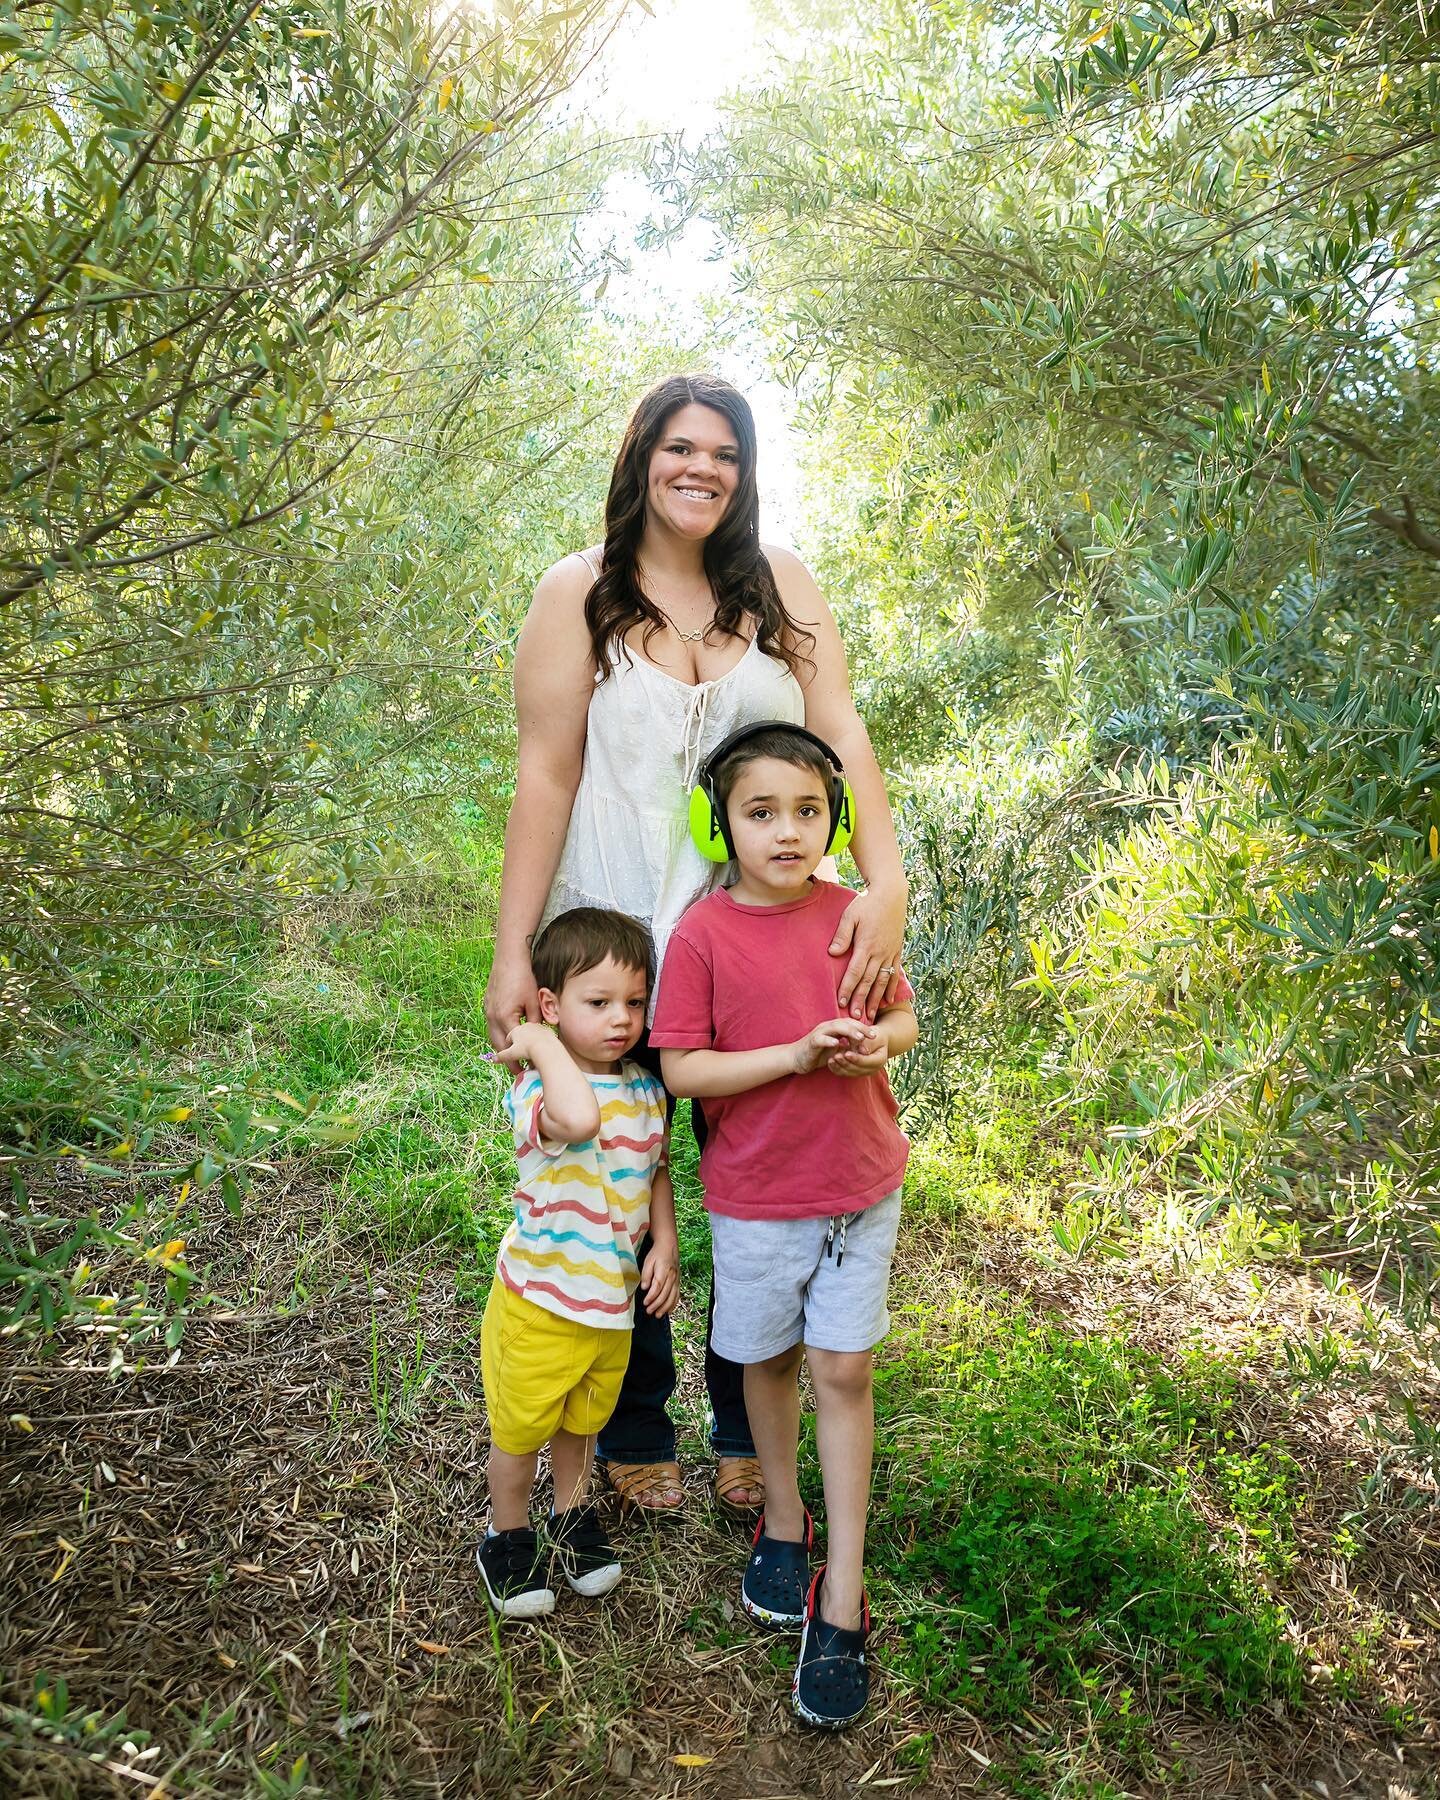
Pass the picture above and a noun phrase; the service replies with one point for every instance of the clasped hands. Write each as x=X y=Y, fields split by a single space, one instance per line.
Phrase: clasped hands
x=850 y=1047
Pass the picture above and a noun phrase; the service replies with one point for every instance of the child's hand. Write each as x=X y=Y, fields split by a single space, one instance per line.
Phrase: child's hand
x=819 y=1045
x=523 y=1041
x=660 y=1278
x=866 y=1058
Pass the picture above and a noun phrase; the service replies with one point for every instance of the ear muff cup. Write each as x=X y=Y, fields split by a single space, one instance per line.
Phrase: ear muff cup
x=842 y=818
x=706 y=832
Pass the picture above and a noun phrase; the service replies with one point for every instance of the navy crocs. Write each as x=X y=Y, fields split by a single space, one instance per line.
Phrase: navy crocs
x=776 y=1577
x=832 y=1682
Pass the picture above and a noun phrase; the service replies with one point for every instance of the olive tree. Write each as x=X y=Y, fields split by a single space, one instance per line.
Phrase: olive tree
x=1123 y=326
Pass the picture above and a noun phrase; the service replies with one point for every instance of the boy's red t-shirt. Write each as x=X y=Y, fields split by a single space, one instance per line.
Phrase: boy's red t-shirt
x=740 y=977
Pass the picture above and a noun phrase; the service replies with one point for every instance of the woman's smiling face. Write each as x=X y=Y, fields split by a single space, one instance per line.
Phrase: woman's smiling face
x=694 y=471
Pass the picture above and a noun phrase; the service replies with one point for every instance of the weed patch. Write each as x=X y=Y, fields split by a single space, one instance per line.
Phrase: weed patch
x=1039 y=1522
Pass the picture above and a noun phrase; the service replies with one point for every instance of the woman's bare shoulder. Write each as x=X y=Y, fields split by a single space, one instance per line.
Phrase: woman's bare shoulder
x=578 y=569
x=561 y=592
x=802 y=599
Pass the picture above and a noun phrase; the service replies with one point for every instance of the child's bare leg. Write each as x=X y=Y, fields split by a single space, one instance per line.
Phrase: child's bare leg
x=772 y=1401
x=845 y=1438
x=511 y=1479
x=571 y=1459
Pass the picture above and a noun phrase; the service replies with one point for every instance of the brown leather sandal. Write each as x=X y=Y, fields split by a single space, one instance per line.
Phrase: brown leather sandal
x=649 y=1487
x=734 y=1473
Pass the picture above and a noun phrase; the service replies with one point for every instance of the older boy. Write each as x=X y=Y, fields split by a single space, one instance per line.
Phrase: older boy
x=802 y=1176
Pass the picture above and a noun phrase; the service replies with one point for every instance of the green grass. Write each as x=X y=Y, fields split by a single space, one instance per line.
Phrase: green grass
x=1038 y=1527
x=1000 y=1158
x=379 y=1027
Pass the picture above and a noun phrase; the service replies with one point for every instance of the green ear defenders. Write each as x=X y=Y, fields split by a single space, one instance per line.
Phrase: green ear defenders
x=709 y=827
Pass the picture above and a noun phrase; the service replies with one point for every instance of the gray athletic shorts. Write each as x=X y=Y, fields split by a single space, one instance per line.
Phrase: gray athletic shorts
x=782 y=1282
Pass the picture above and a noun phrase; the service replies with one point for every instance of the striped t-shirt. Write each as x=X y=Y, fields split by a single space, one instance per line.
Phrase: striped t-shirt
x=582 y=1209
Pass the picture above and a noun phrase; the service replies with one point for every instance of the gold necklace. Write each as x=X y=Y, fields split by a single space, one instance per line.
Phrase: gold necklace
x=688 y=637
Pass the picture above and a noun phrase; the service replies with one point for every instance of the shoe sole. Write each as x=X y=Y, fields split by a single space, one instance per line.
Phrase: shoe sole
x=770 y=1621
x=815 y=1722
x=660 y=1517
x=594 y=1582
x=538 y=1603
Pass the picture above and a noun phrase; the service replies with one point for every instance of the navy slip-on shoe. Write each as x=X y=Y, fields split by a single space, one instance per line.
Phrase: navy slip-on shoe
x=772 y=1590
x=832 y=1679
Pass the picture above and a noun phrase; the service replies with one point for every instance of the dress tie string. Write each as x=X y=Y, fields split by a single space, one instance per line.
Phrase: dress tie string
x=693 y=730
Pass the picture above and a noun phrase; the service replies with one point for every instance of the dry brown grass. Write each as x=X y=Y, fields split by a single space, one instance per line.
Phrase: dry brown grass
x=234 y=1551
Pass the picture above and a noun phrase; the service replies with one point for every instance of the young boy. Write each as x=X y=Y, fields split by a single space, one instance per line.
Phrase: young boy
x=802 y=1173
x=590 y=1143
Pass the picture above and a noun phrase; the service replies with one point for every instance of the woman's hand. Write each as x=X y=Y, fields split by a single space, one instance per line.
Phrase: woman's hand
x=660 y=1278
x=510 y=996
x=525 y=1041
x=872 y=930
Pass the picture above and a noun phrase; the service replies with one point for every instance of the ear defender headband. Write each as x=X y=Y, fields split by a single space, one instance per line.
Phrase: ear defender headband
x=710 y=828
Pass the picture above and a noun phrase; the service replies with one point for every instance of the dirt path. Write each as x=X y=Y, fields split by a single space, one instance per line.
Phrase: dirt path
x=262 y=1555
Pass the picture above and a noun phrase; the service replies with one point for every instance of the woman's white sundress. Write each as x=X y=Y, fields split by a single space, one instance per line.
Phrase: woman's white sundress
x=646 y=735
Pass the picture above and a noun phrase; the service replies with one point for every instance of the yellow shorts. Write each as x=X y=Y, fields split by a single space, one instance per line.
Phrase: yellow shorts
x=543 y=1373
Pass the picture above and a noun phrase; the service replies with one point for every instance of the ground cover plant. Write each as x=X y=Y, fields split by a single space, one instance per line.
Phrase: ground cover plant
x=1052 y=1493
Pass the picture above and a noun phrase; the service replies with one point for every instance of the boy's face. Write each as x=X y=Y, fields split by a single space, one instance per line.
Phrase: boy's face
x=599 y=1013
x=779 y=817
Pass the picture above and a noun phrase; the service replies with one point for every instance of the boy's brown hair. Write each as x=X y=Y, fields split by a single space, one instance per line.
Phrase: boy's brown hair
x=582 y=938
x=781 y=746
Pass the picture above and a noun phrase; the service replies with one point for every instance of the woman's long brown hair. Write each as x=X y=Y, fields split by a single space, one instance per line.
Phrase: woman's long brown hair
x=736 y=567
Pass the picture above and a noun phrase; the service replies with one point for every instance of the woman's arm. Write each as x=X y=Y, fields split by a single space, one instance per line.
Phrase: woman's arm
x=873 y=926
x=554 y=679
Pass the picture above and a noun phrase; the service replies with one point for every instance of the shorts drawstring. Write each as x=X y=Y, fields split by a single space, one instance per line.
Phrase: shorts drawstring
x=844 y=1219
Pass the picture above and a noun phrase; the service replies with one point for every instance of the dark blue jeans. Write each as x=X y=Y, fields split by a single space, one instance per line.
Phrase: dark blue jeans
x=640 y=1429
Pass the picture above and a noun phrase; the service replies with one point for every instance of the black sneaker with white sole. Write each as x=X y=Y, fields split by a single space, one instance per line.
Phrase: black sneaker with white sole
x=772 y=1590
x=512 y=1568
x=584 y=1554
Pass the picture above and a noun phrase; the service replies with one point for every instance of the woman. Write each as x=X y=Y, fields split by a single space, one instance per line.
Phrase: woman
x=635 y=660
